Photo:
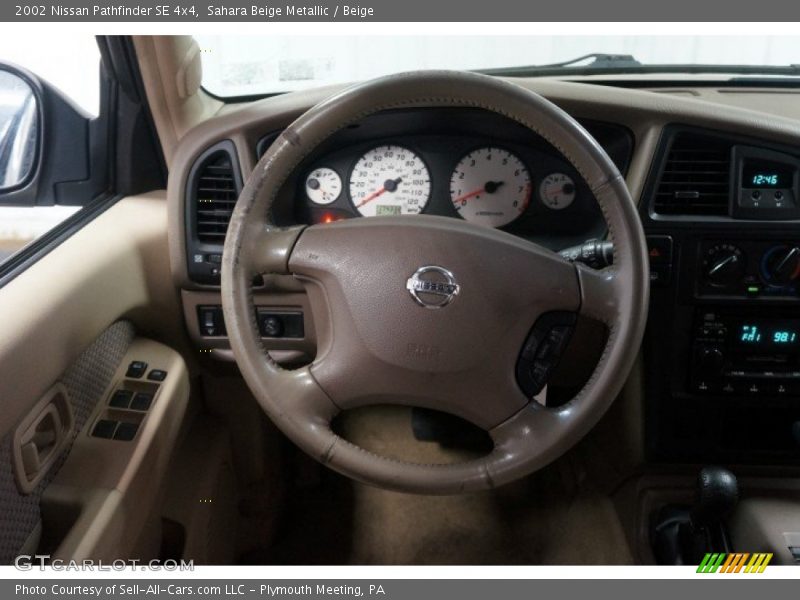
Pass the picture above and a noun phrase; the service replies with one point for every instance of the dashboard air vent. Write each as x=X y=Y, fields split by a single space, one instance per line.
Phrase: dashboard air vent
x=215 y=197
x=696 y=177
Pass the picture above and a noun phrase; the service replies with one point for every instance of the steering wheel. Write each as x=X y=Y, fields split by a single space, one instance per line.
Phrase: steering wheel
x=432 y=311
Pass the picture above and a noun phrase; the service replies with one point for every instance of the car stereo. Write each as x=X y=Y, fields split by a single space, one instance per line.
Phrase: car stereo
x=738 y=354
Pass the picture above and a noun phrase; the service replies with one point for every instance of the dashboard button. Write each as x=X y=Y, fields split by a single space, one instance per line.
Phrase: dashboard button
x=706 y=386
x=271 y=326
x=659 y=249
x=660 y=275
x=754 y=387
x=211 y=321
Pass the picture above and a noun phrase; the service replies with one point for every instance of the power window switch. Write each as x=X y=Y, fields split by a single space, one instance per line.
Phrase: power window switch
x=126 y=432
x=157 y=375
x=121 y=399
x=105 y=429
x=136 y=369
x=142 y=401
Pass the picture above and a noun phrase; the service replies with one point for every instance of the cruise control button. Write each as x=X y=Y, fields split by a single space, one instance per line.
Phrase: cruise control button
x=532 y=344
x=554 y=343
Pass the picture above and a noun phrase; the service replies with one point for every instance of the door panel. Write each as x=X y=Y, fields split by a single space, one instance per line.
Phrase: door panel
x=84 y=384
x=72 y=320
x=116 y=266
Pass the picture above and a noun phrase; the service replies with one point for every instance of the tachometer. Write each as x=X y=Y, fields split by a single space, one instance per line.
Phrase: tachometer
x=490 y=186
x=390 y=180
x=323 y=185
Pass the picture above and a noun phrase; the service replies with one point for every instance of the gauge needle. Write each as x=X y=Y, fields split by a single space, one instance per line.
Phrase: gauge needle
x=782 y=265
x=723 y=263
x=490 y=188
x=390 y=185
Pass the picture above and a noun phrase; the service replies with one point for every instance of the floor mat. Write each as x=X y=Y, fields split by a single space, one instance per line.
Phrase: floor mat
x=545 y=519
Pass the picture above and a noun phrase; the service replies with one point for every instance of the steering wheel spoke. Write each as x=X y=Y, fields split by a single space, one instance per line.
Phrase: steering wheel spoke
x=271 y=247
x=600 y=292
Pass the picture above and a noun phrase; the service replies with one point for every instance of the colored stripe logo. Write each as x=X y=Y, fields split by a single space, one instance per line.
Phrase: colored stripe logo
x=737 y=562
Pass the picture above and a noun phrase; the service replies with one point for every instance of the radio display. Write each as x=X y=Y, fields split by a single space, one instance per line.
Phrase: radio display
x=761 y=175
x=773 y=334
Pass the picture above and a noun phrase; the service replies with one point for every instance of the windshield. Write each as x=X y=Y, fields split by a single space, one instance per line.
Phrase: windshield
x=258 y=65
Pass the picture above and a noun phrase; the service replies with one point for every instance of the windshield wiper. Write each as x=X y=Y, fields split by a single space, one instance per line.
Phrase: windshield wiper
x=610 y=64
x=600 y=61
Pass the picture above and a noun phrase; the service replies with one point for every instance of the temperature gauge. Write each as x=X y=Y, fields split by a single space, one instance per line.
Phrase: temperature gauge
x=323 y=185
x=557 y=191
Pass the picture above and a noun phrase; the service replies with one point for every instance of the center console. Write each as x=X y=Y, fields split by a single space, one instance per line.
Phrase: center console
x=722 y=350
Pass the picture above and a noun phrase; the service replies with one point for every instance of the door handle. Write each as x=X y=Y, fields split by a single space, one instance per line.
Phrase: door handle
x=41 y=437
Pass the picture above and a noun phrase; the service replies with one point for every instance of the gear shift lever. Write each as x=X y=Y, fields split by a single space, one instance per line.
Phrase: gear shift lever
x=681 y=535
x=717 y=496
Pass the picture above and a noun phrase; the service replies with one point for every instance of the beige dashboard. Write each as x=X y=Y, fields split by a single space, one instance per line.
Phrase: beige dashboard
x=747 y=112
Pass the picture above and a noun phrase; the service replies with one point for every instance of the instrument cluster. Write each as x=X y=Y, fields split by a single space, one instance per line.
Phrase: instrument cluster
x=489 y=185
x=464 y=164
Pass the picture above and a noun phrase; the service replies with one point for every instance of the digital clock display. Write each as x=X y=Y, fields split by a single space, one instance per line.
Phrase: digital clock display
x=765 y=180
x=762 y=175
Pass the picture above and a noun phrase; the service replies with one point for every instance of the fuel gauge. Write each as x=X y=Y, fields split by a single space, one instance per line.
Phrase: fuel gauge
x=557 y=191
x=323 y=185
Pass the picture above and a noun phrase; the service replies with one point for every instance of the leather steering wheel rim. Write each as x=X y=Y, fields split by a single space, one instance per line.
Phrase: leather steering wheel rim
x=344 y=295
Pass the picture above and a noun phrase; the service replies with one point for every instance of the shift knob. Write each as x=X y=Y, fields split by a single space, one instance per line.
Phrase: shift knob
x=717 y=495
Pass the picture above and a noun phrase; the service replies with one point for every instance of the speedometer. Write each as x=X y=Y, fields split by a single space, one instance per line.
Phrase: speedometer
x=390 y=180
x=490 y=186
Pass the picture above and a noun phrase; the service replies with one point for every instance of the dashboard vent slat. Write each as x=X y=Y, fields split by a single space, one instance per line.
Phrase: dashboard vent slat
x=216 y=192
x=695 y=179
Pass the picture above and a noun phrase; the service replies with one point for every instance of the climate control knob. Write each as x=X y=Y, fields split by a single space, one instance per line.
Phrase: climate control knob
x=780 y=266
x=724 y=265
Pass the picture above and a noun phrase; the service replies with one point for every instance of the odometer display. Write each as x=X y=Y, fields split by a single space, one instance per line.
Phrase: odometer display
x=390 y=180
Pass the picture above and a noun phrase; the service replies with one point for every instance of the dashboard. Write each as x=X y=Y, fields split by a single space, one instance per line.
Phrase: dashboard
x=718 y=188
